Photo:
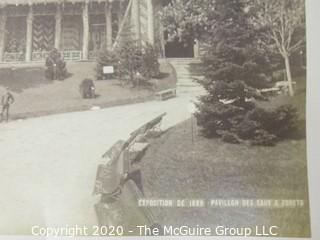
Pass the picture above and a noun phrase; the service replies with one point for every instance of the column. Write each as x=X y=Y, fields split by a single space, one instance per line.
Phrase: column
x=3 y=20
x=135 y=14
x=58 y=17
x=29 y=35
x=150 y=22
x=85 y=41
x=108 y=13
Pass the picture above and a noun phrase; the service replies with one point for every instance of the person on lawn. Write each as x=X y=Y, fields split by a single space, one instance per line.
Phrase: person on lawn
x=6 y=100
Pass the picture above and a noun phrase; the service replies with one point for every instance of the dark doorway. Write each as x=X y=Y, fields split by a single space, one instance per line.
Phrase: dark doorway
x=179 y=49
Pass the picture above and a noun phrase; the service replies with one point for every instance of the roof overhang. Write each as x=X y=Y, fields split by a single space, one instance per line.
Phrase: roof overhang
x=4 y=3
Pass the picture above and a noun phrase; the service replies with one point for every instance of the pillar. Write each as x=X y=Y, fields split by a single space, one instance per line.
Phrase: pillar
x=150 y=21
x=58 y=24
x=85 y=41
x=135 y=14
x=108 y=13
x=3 y=20
x=29 y=35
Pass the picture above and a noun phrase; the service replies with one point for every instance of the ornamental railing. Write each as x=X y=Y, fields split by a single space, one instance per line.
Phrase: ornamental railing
x=14 y=57
x=72 y=55
x=39 y=56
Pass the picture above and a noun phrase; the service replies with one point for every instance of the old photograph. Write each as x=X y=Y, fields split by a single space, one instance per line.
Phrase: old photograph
x=153 y=118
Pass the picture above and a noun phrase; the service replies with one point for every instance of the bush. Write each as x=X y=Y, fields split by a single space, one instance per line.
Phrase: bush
x=128 y=60
x=281 y=122
x=286 y=121
x=230 y=137
x=107 y=58
x=260 y=126
x=263 y=138
x=213 y=117
x=56 y=66
x=247 y=128
x=150 y=66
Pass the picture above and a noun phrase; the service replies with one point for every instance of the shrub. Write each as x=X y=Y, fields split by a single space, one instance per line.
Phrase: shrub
x=282 y=122
x=213 y=117
x=286 y=121
x=128 y=60
x=150 y=66
x=107 y=58
x=230 y=137
x=263 y=138
x=247 y=128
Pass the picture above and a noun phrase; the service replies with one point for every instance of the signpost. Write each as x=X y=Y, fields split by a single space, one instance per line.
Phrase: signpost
x=108 y=69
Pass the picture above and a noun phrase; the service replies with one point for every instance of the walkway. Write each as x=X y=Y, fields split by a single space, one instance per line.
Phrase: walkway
x=48 y=164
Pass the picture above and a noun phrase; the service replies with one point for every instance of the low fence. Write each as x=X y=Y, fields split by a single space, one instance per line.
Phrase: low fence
x=40 y=56
x=120 y=187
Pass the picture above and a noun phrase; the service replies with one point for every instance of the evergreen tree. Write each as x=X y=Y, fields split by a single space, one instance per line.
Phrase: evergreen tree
x=234 y=68
x=129 y=52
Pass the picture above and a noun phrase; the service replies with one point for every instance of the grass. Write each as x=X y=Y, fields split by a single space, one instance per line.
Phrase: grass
x=177 y=167
x=37 y=96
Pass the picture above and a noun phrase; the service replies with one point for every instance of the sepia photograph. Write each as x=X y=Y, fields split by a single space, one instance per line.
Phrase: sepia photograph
x=153 y=118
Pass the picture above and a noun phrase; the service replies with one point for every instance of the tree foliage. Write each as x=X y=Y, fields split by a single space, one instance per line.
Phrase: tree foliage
x=282 y=25
x=235 y=66
x=188 y=19
x=130 y=59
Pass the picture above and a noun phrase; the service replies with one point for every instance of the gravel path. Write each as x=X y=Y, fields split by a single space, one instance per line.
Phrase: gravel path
x=48 y=164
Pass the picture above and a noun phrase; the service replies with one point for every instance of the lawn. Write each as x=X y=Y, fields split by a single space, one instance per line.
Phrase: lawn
x=36 y=96
x=177 y=167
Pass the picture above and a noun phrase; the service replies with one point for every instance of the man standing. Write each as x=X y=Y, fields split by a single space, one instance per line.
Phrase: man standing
x=6 y=100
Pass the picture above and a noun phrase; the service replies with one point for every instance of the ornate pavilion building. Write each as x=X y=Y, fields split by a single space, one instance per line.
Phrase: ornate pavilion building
x=78 y=28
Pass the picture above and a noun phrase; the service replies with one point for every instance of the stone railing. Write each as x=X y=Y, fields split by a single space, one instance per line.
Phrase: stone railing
x=119 y=183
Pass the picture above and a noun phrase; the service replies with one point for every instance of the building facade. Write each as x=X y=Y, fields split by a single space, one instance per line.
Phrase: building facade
x=78 y=28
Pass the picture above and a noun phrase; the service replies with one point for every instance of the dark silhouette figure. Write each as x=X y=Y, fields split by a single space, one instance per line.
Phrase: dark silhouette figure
x=6 y=100
x=87 y=89
x=56 y=66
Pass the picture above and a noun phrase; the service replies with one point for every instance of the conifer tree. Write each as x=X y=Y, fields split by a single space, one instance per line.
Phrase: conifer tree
x=234 y=68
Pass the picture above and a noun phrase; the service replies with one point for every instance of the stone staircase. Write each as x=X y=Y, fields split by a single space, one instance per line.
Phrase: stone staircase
x=187 y=70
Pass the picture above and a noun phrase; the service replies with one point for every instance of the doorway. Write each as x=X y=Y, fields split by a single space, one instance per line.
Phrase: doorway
x=179 y=49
